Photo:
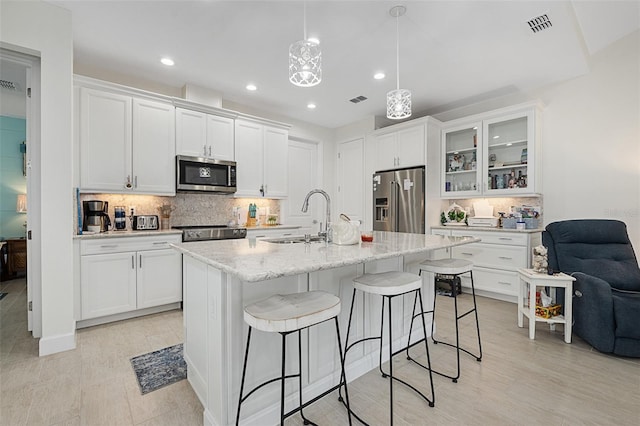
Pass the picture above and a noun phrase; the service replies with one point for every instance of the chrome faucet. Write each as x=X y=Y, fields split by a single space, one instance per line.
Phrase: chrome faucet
x=326 y=234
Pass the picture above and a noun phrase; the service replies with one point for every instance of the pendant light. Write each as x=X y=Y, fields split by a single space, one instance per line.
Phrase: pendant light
x=399 y=100
x=305 y=60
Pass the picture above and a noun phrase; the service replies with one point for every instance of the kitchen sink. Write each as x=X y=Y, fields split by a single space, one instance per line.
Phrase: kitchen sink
x=293 y=239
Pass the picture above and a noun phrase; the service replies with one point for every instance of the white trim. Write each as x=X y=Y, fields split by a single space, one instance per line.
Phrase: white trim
x=54 y=344
x=127 y=315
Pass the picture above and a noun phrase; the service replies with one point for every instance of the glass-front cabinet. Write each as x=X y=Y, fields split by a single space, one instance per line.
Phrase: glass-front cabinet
x=491 y=154
x=462 y=160
x=508 y=141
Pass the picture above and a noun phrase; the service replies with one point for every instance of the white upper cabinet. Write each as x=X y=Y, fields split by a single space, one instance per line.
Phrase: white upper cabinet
x=153 y=132
x=127 y=143
x=261 y=154
x=220 y=131
x=276 y=148
x=462 y=159
x=492 y=154
x=105 y=139
x=191 y=133
x=400 y=148
x=199 y=134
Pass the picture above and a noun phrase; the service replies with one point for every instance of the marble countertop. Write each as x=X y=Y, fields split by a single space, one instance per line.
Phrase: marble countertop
x=120 y=234
x=487 y=228
x=253 y=260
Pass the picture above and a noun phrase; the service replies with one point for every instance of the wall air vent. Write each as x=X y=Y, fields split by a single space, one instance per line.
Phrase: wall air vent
x=539 y=23
x=9 y=85
x=358 y=99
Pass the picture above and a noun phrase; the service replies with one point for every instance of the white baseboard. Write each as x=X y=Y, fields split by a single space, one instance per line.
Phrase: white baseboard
x=60 y=343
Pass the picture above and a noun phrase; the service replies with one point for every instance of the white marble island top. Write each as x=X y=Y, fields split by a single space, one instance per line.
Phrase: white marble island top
x=256 y=260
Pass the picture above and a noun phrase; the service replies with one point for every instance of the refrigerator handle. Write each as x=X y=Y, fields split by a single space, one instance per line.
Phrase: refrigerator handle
x=395 y=205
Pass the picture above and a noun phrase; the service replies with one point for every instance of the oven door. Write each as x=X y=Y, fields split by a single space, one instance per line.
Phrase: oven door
x=205 y=174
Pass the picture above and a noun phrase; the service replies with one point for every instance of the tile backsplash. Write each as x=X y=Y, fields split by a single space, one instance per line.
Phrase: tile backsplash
x=187 y=209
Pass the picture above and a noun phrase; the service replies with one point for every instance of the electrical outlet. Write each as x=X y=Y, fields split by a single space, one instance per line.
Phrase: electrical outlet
x=132 y=210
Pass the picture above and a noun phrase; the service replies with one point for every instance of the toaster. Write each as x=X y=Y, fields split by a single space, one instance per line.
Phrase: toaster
x=145 y=222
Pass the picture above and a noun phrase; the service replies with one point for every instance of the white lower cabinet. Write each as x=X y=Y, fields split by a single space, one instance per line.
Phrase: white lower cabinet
x=119 y=275
x=496 y=259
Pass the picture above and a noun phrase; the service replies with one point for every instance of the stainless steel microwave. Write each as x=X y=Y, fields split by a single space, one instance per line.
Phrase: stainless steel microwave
x=198 y=174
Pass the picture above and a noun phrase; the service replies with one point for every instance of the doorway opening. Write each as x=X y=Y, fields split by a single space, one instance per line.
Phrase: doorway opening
x=20 y=188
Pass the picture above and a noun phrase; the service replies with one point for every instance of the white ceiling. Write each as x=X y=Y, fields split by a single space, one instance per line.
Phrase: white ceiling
x=451 y=52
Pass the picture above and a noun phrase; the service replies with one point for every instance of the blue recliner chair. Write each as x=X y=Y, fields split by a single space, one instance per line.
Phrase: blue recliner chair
x=606 y=293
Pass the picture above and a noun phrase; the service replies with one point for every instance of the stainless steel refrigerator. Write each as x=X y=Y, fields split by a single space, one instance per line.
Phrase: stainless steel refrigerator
x=398 y=200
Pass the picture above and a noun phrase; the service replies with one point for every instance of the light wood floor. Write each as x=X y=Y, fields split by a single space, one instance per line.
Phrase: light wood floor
x=518 y=382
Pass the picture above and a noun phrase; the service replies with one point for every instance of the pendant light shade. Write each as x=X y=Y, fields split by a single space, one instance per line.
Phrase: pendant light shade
x=305 y=60
x=398 y=104
x=399 y=100
x=305 y=63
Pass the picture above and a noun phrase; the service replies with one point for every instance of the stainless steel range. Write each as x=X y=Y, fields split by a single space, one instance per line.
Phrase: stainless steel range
x=210 y=232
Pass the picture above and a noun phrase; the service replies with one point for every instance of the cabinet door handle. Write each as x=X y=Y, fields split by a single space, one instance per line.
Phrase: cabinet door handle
x=209 y=150
x=133 y=262
x=135 y=181
x=505 y=258
x=128 y=184
x=140 y=261
x=204 y=150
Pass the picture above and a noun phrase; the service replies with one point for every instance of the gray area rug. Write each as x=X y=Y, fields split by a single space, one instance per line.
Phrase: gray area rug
x=159 y=368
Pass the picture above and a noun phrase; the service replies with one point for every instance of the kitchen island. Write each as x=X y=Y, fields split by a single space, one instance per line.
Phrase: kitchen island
x=221 y=277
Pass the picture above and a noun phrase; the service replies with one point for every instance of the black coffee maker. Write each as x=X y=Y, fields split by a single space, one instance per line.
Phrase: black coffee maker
x=95 y=216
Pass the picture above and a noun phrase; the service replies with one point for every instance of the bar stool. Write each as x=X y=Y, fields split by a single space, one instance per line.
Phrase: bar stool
x=286 y=314
x=389 y=285
x=449 y=271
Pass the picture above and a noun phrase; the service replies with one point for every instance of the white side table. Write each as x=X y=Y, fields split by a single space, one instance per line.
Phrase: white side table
x=532 y=280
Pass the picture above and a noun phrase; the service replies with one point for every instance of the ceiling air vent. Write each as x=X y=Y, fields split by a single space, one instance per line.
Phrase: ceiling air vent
x=358 y=99
x=9 y=85
x=539 y=23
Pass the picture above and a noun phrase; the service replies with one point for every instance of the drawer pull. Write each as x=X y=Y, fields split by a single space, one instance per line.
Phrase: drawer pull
x=504 y=283
x=505 y=239
x=157 y=243
x=260 y=236
x=109 y=246
x=286 y=235
x=467 y=253
x=505 y=258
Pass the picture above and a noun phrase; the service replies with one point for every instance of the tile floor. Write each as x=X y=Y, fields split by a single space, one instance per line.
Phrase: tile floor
x=518 y=382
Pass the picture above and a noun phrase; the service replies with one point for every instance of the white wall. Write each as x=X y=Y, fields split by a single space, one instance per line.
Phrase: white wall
x=591 y=141
x=44 y=30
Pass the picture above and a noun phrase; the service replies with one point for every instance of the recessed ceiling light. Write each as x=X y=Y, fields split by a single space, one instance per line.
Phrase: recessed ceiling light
x=167 y=61
x=313 y=40
x=251 y=87
x=379 y=76
x=311 y=105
